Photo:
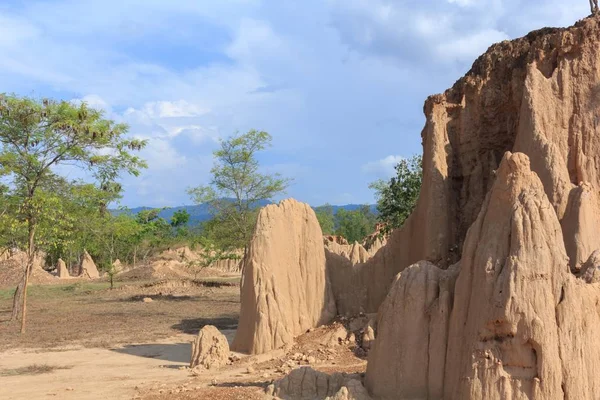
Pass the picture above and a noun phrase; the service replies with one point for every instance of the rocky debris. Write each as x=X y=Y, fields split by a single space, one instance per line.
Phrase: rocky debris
x=335 y=335
x=61 y=269
x=210 y=349
x=334 y=239
x=285 y=288
x=308 y=384
x=590 y=272
x=88 y=267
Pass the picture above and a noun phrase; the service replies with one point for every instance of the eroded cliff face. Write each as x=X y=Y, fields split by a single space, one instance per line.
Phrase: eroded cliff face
x=509 y=321
x=538 y=95
x=507 y=306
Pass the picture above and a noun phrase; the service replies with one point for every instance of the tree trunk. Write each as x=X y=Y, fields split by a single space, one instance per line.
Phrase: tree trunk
x=16 y=308
x=20 y=297
x=30 y=259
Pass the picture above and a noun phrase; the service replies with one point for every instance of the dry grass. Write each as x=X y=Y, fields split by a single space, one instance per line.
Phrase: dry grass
x=91 y=315
x=34 y=369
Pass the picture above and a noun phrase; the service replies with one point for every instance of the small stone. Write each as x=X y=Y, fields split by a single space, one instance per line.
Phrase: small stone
x=147 y=300
x=250 y=369
x=311 y=360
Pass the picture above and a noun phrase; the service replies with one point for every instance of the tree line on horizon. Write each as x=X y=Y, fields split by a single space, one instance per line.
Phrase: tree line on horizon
x=42 y=210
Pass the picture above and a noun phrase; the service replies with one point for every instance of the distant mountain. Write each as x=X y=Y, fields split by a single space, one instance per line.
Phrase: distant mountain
x=200 y=213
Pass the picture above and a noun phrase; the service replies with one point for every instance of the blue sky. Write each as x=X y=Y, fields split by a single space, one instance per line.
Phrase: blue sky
x=339 y=84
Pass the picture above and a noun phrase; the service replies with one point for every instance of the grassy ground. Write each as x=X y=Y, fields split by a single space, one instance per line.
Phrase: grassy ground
x=92 y=315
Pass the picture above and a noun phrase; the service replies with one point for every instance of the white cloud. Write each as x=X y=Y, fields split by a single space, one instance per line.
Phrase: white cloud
x=468 y=47
x=320 y=78
x=160 y=155
x=383 y=168
x=463 y=3
x=172 y=109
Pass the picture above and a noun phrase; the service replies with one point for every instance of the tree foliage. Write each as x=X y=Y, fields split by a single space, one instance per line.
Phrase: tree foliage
x=237 y=187
x=355 y=225
x=326 y=219
x=397 y=197
x=36 y=137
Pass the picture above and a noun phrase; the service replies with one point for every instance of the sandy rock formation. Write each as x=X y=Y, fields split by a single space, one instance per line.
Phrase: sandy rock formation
x=210 y=349
x=334 y=239
x=590 y=272
x=508 y=333
x=61 y=269
x=307 y=384
x=407 y=358
x=231 y=266
x=285 y=288
x=88 y=267
x=355 y=252
x=535 y=95
x=117 y=266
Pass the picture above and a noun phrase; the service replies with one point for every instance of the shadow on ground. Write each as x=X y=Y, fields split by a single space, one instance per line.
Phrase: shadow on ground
x=174 y=352
x=193 y=326
x=262 y=385
x=154 y=297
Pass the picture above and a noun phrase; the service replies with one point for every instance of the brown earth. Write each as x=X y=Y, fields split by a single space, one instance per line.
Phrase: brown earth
x=99 y=343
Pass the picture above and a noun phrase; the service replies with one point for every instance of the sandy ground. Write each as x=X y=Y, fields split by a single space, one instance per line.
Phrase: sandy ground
x=95 y=373
x=95 y=343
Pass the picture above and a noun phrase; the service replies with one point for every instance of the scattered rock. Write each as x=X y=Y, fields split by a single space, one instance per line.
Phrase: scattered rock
x=147 y=300
x=210 y=349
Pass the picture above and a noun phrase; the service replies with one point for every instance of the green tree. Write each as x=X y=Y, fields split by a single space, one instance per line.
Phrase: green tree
x=36 y=136
x=355 y=225
x=326 y=219
x=180 y=218
x=397 y=197
x=237 y=188
x=115 y=236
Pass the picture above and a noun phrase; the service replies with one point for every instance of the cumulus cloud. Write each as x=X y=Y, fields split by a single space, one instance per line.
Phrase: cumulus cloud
x=335 y=82
x=172 y=109
x=383 y=168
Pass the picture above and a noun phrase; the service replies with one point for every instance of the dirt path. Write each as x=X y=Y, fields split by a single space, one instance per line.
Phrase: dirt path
x=94 y=373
